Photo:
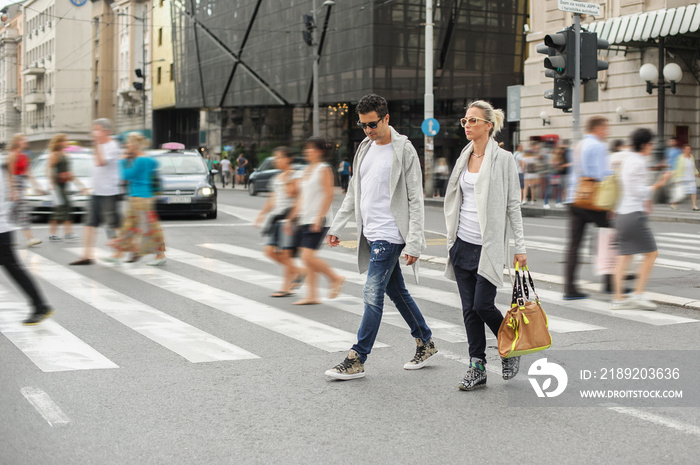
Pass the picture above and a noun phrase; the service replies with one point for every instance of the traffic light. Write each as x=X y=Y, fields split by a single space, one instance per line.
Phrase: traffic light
x=590 y=64
x=560 y=54
x=138 y=85
x=310 y=25
x=561 y=95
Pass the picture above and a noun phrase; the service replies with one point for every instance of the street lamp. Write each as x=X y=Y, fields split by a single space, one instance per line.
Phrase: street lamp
x=544 y=116
x=672 y=73
x=312 y=27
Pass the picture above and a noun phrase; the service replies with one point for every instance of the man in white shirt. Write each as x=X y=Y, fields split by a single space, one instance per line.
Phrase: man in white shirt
x=106 y=188
x=225 y=171
x=385 y=197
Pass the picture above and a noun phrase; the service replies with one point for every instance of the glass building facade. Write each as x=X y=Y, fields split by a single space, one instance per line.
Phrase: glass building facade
x=250 y=58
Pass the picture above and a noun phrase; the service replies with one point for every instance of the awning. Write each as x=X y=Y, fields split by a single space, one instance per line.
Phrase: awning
x=641 y=27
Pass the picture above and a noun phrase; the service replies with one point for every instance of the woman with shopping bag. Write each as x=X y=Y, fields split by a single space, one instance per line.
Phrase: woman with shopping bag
x=483 y=195
x=684 y=178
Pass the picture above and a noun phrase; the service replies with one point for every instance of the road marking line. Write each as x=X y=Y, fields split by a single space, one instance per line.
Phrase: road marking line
x=657 y=419
x=43 y=404
x=443 y=330
x=246 y=214
x=465 y=360
x=185 y=340
x=306 y=330
x=49 y=346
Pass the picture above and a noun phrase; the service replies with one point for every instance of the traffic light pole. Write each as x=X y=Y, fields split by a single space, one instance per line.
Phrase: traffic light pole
x=428 y=98
x=576 y=95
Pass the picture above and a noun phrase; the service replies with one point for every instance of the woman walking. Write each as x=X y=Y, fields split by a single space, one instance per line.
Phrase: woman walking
x=483 y=194
x=13 y=267
x=442 y=172
x=313 y=212
x=631 y=223
x=279 y=240
x=59 y=175
x=530 y=165
x=685 y=175
x=139 y=171
x=20 y=176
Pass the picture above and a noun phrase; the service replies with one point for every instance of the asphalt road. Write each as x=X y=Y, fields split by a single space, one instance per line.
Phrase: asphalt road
x=193 y=362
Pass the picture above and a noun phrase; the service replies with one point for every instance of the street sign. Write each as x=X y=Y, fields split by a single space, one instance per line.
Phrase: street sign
x=572 y=6
x=430 y=127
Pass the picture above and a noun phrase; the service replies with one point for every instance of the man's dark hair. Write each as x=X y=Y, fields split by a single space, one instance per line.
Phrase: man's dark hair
x=594 y=122
x=640 y=137
x=370 y=103
x=616 y=145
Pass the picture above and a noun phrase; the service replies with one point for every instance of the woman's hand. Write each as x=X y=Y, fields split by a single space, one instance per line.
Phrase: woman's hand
x=520 y=258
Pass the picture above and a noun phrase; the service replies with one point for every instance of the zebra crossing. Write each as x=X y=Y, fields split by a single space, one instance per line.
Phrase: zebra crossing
x=52 y=347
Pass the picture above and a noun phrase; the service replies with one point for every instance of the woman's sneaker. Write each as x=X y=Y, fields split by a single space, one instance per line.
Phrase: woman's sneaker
x=71 y=237
x=424 y=352
x=510 y=367
x=475 y=377
x=351 y=368
x=33 y=241
x=55 y=238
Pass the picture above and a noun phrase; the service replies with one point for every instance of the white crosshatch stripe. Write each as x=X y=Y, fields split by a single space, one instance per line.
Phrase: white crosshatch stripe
x=302 y=329
x=185 y=340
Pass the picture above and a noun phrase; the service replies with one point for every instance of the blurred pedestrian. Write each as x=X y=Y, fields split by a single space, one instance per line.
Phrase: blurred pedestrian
x=13 y=267
x=344 y=170
x=483 y=196
x=209 y=162
x=279 y=240
x=225 y=171
x=531 y=167
x=558 y=171
x=385 y=199
x=633 y=233
x=242 y=165
x=590 y=160
x=59 y=176
x=672 y=153
x=685 y=174
x=106 y=187
x=312 y=212
x=141 y=233
x=442 y=172
x=518 y=155
x=20 y=174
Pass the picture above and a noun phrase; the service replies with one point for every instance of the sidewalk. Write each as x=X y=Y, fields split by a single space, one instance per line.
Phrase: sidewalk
x=665 y=213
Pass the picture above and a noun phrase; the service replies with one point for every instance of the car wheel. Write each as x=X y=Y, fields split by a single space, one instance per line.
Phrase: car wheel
x=251 y=189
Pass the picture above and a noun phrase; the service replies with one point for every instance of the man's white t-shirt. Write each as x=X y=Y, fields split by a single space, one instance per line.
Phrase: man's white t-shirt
x=225 y=165
x=378 y=223
x=105 y=179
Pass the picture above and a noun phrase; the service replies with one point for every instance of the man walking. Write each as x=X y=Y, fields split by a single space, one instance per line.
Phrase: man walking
x=385 y=198
x=590 y=160
x=225 y=171
x=106 y=188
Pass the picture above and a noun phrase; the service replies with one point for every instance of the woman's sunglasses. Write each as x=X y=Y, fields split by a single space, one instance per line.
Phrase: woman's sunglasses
x=472 y=121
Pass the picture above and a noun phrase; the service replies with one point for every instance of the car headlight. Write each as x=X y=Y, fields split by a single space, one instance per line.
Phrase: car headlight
x=206 y=191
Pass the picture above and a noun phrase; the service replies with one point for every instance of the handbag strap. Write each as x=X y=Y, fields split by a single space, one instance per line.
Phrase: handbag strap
x=517 y=297
x=532 y=284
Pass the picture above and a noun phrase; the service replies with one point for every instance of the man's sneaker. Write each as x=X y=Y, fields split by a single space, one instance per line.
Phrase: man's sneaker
x=71 y=237
x=424 y=352
x=546 y=206
x=55 y=238
x=558 y=205
x=31 y=242
x=624 y=304
x=37 y=318
x=576 y=295
x=475 y=377
x=351 y=368
x=510 y=367
x=642 y=302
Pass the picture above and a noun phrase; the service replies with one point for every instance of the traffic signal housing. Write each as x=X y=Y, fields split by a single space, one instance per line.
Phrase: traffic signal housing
x=560 y=53
x=561 y=94
x=590 y=64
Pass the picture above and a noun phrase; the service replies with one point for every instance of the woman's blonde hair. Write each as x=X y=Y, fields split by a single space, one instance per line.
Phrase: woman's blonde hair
x=494 y=116
x=14 y=143
x=136 y=139
x=54 y=144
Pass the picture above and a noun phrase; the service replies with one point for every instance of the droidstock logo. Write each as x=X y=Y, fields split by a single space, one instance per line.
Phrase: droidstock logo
x=541 y=368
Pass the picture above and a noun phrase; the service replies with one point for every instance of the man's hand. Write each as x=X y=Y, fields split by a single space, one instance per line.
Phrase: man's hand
x=333 y=241
x=410 y=259
x=520 y=258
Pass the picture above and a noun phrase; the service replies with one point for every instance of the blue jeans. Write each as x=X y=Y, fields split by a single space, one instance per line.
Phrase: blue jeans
x=384 y=276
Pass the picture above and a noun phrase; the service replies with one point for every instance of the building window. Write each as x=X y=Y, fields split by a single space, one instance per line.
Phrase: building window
x=159 y=73
x=161 y=3
x=160 y=36
x=172 y=72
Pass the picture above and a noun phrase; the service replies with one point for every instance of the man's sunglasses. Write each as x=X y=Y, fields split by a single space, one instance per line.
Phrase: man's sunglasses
x=372 y=125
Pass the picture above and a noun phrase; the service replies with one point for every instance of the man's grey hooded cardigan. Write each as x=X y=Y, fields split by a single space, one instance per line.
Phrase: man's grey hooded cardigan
x=406 y=199
x=497 y=192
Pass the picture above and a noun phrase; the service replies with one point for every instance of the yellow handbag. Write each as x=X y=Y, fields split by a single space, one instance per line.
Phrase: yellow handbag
x=608 y=193
x=525 y=328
